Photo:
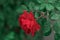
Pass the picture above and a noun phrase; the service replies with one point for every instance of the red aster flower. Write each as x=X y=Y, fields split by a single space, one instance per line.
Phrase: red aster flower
x=28 y=23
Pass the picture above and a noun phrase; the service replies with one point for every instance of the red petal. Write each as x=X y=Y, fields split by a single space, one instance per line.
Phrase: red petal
x=31 y=14
x=32 y=31
x=37 y=26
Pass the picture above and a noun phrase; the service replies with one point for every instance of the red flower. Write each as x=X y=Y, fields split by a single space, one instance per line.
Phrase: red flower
x=28 y=23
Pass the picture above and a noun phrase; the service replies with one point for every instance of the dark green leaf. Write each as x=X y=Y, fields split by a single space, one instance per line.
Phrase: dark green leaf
x=21 y=9
x=38 y=35
x=37 y=14
x=46 y=29
x=56 y=27
x=22 y=35
x=57 y=36
x=13 y=19
x=1 y=19
x=2 y=1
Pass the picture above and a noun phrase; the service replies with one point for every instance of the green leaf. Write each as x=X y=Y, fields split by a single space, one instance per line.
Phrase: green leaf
x=52 y=13
x=22 y=35
x=37 y=14
x=21 y=9
x=10 y=36
x=42 y=6
x=57 y=5
x=49 y=7
x=47 y=29
x=55 y=16
x=31 y=5
x=1 y=19
x=40 y=1
x=56 y=27
x=1 y=16
x=57 y=36
x=24 y=7
x=36 y=7
x=51 y=1
x=38 y=35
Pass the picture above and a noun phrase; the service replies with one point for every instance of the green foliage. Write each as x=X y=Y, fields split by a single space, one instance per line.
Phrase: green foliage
x=57 y=36
x=36 y=14
x=46 y=1
x=10 y=36
x=55 y=16
x=51 y=1
x=2 y=1
x=37 y=7
x=31 y=6
x=12 y=19
x=57 y=27
x=21 y=8
x=22 y=35
x=38 y=35
x=49 y=7
x=57 y=5
x=42 y=6
x=1 y=20
x=47 y=28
